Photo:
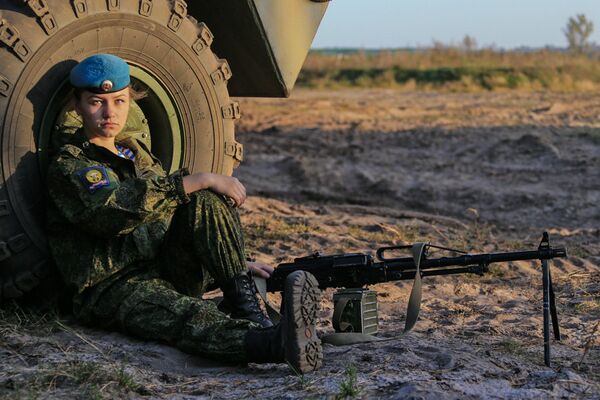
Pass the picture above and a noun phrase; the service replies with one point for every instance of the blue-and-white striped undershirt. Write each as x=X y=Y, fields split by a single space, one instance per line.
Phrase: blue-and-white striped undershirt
x=124 y=152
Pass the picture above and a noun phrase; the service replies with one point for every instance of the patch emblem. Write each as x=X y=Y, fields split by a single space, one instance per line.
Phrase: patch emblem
x=106 y=85
x=94 y=177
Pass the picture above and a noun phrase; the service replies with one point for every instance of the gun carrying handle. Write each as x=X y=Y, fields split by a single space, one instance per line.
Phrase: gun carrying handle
x=381 y=251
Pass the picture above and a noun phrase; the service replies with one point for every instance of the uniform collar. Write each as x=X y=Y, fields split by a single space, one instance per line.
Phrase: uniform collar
x=80 y=140
x=93 y=151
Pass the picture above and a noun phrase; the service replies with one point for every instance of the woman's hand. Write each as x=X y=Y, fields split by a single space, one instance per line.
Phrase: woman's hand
x=230 y=187
x=260 y=269
x=222 y=184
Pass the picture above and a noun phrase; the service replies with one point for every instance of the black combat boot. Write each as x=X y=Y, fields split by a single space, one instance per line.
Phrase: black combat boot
x=294 y=340
x=240 y=301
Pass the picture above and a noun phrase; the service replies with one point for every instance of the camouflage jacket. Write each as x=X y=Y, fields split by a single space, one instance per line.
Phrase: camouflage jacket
x=105 y=212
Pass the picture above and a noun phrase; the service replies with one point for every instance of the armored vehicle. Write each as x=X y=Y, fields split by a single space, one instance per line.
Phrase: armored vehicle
x=174 y=49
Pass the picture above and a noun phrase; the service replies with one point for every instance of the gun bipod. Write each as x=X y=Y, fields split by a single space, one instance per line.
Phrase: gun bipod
x=549 y=301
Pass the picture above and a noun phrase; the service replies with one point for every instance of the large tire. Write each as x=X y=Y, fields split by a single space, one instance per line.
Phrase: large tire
x=40 y=41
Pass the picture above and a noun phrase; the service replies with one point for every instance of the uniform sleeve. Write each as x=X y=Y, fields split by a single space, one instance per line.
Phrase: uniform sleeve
x=93 y=198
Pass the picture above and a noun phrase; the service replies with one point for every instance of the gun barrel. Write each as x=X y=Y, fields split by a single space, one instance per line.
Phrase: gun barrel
x=478 y=259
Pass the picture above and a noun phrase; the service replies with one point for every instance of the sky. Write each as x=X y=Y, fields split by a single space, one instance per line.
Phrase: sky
x=412 y=23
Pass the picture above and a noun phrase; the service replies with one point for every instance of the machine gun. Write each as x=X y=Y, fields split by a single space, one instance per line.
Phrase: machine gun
x=355 y=308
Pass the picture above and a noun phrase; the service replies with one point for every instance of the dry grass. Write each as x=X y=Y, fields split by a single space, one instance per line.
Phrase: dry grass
x=266 y=231
x=279 y=228
x=588 y=306
x=383 y=234
x=20 y=328
x=90 y=380
x=14 y=318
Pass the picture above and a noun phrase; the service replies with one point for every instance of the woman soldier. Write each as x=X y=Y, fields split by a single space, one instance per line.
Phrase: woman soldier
x=139 y=247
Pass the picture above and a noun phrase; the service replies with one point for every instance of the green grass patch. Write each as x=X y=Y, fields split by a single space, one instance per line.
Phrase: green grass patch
x=451 y=69
x=591 y=134
x=348 y=386
x=512 y=346
x=587 y=306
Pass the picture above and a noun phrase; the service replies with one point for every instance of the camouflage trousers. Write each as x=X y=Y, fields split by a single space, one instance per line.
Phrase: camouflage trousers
x=161 y=300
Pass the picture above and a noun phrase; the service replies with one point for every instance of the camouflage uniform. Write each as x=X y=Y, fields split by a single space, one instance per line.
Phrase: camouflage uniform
x=140 y=252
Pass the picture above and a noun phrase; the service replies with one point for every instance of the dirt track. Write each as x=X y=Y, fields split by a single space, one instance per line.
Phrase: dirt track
x=353 y=170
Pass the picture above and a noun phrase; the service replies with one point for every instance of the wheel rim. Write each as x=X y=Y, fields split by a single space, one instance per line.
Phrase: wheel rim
x=163 y=115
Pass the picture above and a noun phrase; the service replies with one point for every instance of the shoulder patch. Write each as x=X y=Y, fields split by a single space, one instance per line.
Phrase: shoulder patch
x=94 y=177
x=70 y=149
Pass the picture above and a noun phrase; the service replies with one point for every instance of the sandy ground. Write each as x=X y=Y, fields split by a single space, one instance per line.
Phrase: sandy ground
x=348 y=171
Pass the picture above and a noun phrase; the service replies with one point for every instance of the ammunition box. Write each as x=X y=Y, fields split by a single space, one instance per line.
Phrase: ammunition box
x=357 y=311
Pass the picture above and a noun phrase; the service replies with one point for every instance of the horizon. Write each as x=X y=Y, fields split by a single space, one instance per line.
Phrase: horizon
x=418 y=24
x=595 y=47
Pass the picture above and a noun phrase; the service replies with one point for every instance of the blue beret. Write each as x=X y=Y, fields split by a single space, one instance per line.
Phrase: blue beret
x=101 y=73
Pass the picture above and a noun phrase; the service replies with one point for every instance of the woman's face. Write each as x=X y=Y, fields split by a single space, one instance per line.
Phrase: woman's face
x=104 y=115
